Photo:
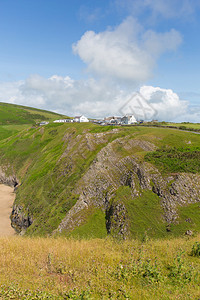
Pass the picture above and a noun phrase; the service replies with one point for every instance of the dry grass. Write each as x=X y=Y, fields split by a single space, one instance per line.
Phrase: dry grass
x=98 y=269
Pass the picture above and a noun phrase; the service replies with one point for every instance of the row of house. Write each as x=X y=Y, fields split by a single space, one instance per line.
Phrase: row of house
x=77 y=119
x=125 y=120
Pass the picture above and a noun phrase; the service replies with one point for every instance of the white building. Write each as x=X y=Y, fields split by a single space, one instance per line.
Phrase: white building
x=63 y=121
x=80 y=119
x=112 y=120
x=132 y=119
x=128 y=119
x=44 y=123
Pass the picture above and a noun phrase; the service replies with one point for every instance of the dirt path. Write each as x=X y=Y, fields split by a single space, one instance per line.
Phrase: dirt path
x=7 y=197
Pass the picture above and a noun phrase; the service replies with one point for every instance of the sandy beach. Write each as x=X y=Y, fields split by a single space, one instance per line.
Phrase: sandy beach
x=7 y=197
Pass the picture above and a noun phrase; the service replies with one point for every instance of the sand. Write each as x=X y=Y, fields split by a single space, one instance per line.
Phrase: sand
x=7 y=197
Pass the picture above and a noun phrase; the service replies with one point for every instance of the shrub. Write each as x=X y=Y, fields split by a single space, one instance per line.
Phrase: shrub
x=196 y=249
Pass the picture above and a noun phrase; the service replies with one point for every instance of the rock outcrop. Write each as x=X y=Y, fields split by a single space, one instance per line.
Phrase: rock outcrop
x=112 y=161
x=10 y=180
x=111 y=169
x=19 y=219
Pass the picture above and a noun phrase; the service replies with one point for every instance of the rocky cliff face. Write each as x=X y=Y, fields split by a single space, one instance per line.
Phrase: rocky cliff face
x=112 y=169
x=20 y=219
x=118 y=162
x=10 y=180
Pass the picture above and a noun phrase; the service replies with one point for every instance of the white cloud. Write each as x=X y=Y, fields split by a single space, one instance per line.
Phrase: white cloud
x=167 y=9
x=167 y=103
x=127 y=53
x=92 y=98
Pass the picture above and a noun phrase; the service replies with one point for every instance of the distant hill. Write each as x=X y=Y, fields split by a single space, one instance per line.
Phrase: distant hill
x=16 y=114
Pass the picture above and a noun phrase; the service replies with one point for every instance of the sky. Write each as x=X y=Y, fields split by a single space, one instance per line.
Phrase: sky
x=102 y=57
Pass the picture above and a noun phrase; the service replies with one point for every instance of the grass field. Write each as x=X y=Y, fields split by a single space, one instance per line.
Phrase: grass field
x=9 y=130
x=38 y=268
x=187 y=125
x=11 y=114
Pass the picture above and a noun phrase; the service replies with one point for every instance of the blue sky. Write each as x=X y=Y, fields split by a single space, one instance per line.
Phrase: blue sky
x=91 y=56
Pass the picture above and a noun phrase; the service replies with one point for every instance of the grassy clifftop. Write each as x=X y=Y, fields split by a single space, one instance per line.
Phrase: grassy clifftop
x=14 y=118
x=84 y=179
x=18 y=115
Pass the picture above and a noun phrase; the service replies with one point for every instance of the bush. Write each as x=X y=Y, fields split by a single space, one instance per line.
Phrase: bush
x=196 y=249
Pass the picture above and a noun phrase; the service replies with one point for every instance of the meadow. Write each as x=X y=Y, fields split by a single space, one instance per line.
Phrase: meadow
x=47 y=268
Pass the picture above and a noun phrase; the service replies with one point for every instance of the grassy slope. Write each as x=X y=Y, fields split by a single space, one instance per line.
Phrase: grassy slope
x=186 y=125
x=145 y=213
x=98 y=269
x=18 y=115
x=176 y=159
x=14 y=118
x=9 y=130
x=48 y=181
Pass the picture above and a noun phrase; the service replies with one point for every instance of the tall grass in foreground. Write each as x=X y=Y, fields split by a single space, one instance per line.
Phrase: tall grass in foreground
x=45 y=268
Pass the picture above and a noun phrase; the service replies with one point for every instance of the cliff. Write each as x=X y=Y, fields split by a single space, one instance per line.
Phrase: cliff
x=90 y=181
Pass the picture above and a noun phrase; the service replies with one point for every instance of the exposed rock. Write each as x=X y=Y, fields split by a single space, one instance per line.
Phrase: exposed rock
x=116 y=220
x=189 y=232
x=106 y=174
x=20 y=220
x=188 y=220
x=110 y=170
x=184 y=189
x=115 y=165
x=10 y=180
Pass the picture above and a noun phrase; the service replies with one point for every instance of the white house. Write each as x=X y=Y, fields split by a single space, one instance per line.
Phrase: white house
x=128 y=119
x=59 y=121
x=44 y=123
x=63 y=121
x=80 y=119
x=132 y=119
x=112 y=120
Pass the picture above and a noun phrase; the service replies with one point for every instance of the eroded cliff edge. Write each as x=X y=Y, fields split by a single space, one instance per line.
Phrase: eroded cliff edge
x=109 y=171
x=69 y=173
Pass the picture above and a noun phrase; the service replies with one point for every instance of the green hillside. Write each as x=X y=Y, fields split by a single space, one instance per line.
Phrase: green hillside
x=14 y=118
x=86 y=180
x=18 y=115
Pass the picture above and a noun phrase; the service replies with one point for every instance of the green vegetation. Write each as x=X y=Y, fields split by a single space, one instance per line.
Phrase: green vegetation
x=196 y=249
x=94 y=225
x=9 y=130
x=188 y=219
x=185 y=159
x=18 y=115
x=185 y=125
x=49 y=172
x=182 y=126
x=50 y=163
x=144 y=213
x=47 y=177
x=48 y=268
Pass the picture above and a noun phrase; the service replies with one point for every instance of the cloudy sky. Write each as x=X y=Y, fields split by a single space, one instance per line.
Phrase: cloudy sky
x=102 y=57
